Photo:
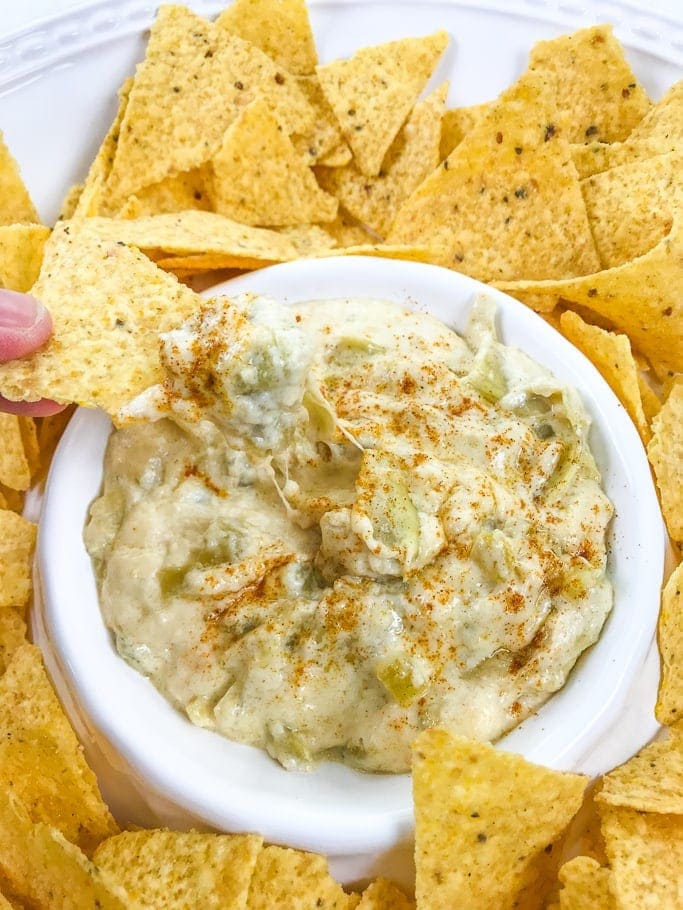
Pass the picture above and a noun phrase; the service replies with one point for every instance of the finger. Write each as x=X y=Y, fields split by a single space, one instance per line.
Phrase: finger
x=42 y=408
x=25 y=325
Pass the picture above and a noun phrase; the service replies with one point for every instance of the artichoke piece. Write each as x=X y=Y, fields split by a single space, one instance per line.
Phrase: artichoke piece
x=399 y=679
x=260 y=375
x=486 y=375
x=493 y=553
x=384 y=496
x=287 y=746
x=322 y=418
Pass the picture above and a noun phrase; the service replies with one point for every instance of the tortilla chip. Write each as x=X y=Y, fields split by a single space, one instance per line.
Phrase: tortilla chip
x=324 y=140
x=645 y=852
x=50 y=430
x=287 y=879
x=612 y=357
x=457 y=123
x=29 y=438
x=258 y=178
x=346 y=231
x=338 y=157
x=666 y=457
x=640 y=298
x=372 y=93
x=669 y=707
x=12 y=635
x=192 y=84
x=178 y=871
x=630 y=207
x=182 y=193
x=93 y=197
x=651 y=781
x=482 y=817
x=507 y=202
x=384 y=895
x=108 y=304
x=195 y=233
x=310 y=239
x=21 y=255
x=413 y=155
x=43 y=760
x=281 y=28
x=659 y=132
x=45 y=870
x=651 y=402
x=17 y=539
x=70 y=202
x=586 y=884
x=386 y=251
x=15 y=202
x=15 y=471
x=593 y=82
x=11 y=499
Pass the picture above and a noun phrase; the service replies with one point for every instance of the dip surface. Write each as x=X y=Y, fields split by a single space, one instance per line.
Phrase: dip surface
x=346 y=523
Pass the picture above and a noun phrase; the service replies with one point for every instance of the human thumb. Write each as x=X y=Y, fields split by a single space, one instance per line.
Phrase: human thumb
x=25 y=325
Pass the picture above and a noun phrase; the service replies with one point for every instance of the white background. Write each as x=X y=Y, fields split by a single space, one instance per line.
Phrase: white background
x=17 y=15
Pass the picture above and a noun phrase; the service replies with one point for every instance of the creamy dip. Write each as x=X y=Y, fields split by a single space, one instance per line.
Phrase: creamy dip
x=339 y=522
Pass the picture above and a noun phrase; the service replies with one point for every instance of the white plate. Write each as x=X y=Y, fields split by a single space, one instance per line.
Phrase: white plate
x=58 y=84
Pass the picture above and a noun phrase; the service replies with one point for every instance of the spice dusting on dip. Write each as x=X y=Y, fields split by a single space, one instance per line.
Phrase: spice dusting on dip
x=339 y=522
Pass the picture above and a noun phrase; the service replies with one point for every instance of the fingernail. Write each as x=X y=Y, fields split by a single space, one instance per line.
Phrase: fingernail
x=18 y=311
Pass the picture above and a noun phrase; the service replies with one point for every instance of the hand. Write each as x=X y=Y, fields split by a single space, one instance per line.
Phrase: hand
x=25 y=325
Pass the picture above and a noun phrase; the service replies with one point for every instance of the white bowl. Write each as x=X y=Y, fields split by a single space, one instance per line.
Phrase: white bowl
x=157 y=767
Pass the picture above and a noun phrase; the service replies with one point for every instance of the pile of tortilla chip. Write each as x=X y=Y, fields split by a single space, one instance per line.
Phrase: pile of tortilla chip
x=233 y=149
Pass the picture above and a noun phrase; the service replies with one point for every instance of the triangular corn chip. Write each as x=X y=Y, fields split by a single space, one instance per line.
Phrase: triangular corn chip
x=325 y=138
x=29 y=438
x=258 y=178
x=180 y=871
x=182 y=193
x=593 y=83
x=193 y=82
x=373 y=92
x=666 y=457
x=17 y=539
x=640 y=297
x=15 y=202
x=611 y=355
x=108 y=304
x=337 y=157
x=507 y=202
x=413 y=155
x=12 y=635
x=457 y=123
x=482 y=817
x=15 y=471
x=660 y=131
x=281 y=28
x=194 y=233
x=345 y=231
x=645 y=853
x=586 y=885
x=651 y=781
x=630 y=207
x=21 y=255
x=92 y=199
x=41 y=759
x=70 y=202
x=384 y=895
x=42 y=868
x=287 y=879
x=669 y=708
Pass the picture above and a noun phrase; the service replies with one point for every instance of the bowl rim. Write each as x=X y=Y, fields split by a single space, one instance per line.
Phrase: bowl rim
x=178 y=768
